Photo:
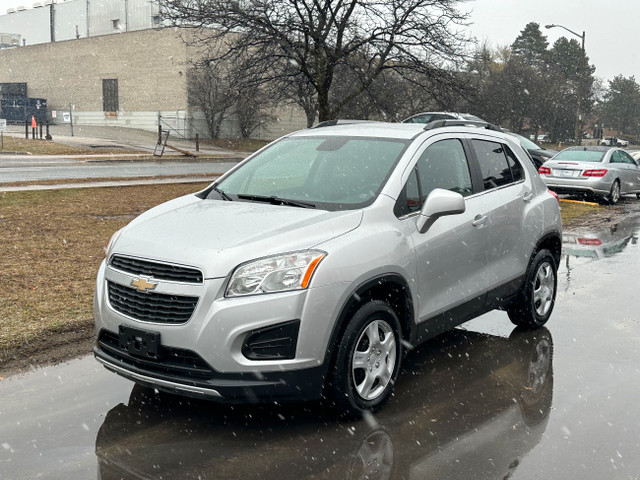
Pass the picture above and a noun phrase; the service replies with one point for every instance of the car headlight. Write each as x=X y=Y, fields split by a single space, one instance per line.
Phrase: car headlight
x=113 y=239
x=280 y=273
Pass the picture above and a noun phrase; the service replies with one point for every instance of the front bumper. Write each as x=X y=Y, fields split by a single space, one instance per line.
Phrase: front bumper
x=215 y=335
x=255 y=387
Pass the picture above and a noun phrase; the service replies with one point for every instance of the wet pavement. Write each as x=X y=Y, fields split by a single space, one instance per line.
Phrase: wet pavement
x=77 y=170
x=484 y=402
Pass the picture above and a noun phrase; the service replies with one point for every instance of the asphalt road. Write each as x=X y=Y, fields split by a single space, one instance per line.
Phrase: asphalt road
x=483 y=402
x=17 y=170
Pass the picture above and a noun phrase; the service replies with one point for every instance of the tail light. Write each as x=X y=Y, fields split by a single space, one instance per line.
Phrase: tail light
x=555 y=195
x=601 y=172
x=544 y=170
x=589 y=241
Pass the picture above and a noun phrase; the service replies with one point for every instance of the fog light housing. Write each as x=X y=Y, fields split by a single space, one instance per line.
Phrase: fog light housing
x=275 y=342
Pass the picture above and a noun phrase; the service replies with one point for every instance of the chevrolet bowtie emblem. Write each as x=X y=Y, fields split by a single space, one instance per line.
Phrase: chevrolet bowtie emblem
x=143 y=284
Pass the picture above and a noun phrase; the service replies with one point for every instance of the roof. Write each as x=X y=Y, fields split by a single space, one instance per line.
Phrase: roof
x=359 y=128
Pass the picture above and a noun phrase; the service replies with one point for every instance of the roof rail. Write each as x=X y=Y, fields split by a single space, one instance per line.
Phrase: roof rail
x=461 y=123
x=331 y=123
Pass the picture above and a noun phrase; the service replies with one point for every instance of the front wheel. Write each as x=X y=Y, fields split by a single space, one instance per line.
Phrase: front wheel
x=367 y=361
x=535 y=302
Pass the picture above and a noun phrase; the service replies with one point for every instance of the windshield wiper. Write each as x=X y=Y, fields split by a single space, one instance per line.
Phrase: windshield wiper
x=276 y=200
x=222 y=194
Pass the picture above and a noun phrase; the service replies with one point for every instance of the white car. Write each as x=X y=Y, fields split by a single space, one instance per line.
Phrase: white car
x=614 y=142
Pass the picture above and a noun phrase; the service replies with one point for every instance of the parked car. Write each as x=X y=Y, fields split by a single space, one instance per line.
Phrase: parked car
x=543 y=137
x=538 y=154
x=635 y=155
x=605 y=172
x=310 y=266
x=614 y=142
x=426 y=117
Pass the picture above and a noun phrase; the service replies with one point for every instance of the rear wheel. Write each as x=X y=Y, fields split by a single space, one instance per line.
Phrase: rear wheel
x=368 y=359
x=535 y=302
x=614 y=194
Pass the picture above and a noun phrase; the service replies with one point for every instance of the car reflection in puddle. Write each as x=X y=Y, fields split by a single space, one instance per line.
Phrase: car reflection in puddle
x=472 y=406
x=600 y=243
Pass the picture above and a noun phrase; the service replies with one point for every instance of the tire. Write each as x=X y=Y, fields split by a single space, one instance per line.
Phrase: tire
x=535 y=301
x=367 y=360
x=614 y=194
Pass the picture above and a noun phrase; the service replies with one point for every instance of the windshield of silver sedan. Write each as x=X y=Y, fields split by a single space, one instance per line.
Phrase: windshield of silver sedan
x=328 y=172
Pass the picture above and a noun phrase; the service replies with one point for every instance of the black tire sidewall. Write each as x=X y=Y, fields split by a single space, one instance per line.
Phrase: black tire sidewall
x=342 y=386
x=523 y=313
x=610 y=199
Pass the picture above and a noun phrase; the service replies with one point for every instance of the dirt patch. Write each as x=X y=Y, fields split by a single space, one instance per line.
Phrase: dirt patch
x=57 y=345
x=52 y=245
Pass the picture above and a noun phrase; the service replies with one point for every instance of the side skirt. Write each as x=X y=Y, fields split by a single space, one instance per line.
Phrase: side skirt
x=499 y=297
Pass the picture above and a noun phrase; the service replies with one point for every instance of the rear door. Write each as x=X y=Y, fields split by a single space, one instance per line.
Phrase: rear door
x=507 y=194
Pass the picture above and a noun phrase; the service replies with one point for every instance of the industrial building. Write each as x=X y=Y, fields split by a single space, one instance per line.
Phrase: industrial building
x=111 y=63
x=73 y=19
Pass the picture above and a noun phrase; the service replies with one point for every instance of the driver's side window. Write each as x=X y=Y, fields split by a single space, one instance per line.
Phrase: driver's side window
x=442 y=165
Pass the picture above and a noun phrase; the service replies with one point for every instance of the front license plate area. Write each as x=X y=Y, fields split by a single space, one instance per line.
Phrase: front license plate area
x=139 y=343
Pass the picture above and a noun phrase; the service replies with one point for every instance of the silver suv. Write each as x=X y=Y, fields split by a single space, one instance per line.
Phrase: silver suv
x=311 y=267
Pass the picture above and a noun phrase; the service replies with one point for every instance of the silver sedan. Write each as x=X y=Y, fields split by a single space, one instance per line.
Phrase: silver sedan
x=601 y=171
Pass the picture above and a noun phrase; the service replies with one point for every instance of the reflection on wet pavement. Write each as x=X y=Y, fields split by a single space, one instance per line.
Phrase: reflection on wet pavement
x=585 y=244
x=469 y=405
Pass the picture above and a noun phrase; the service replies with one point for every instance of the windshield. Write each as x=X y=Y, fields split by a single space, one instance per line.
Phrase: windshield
x=334 y=173
x=592 y=156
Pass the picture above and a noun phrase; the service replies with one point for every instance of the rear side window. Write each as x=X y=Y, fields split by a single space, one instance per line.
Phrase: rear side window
x=622 y=157
x=498 y=164
x=517 y=172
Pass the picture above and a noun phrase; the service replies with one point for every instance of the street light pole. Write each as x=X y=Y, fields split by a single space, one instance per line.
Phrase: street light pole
x=578 y=130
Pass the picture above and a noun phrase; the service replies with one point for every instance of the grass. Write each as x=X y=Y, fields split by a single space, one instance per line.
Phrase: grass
x=52 y=245
x=572 y=210
x=48 y=147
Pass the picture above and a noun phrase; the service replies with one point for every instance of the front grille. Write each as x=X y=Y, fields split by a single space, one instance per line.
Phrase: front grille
x=173 y=362
x=151 y=306
x=157 y=270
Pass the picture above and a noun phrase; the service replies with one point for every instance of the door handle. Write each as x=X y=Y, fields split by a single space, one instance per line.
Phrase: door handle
x=479 y=221
x=527 y=196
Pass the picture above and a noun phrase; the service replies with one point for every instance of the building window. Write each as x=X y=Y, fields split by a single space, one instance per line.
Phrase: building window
x=116 y=24
x=110 y=94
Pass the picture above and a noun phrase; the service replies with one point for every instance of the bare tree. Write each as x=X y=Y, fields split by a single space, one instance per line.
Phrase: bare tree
x=309 y=40
x=251 y=108
x=211 y=88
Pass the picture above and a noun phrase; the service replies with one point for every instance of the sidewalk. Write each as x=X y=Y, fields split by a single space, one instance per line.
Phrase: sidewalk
x=108 y=183
x=89 y=136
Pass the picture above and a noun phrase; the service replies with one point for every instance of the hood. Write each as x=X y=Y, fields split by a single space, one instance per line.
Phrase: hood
x=543 y=151
x=216 y=235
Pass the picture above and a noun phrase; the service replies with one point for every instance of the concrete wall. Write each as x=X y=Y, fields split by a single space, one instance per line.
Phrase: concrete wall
x=149 y=65
x=151 y=68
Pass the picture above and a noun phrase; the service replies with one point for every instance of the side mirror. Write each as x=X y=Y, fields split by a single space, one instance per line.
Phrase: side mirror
x=438 y=204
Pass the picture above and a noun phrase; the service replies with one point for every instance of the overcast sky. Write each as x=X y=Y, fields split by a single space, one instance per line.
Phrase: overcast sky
x=612 y=27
